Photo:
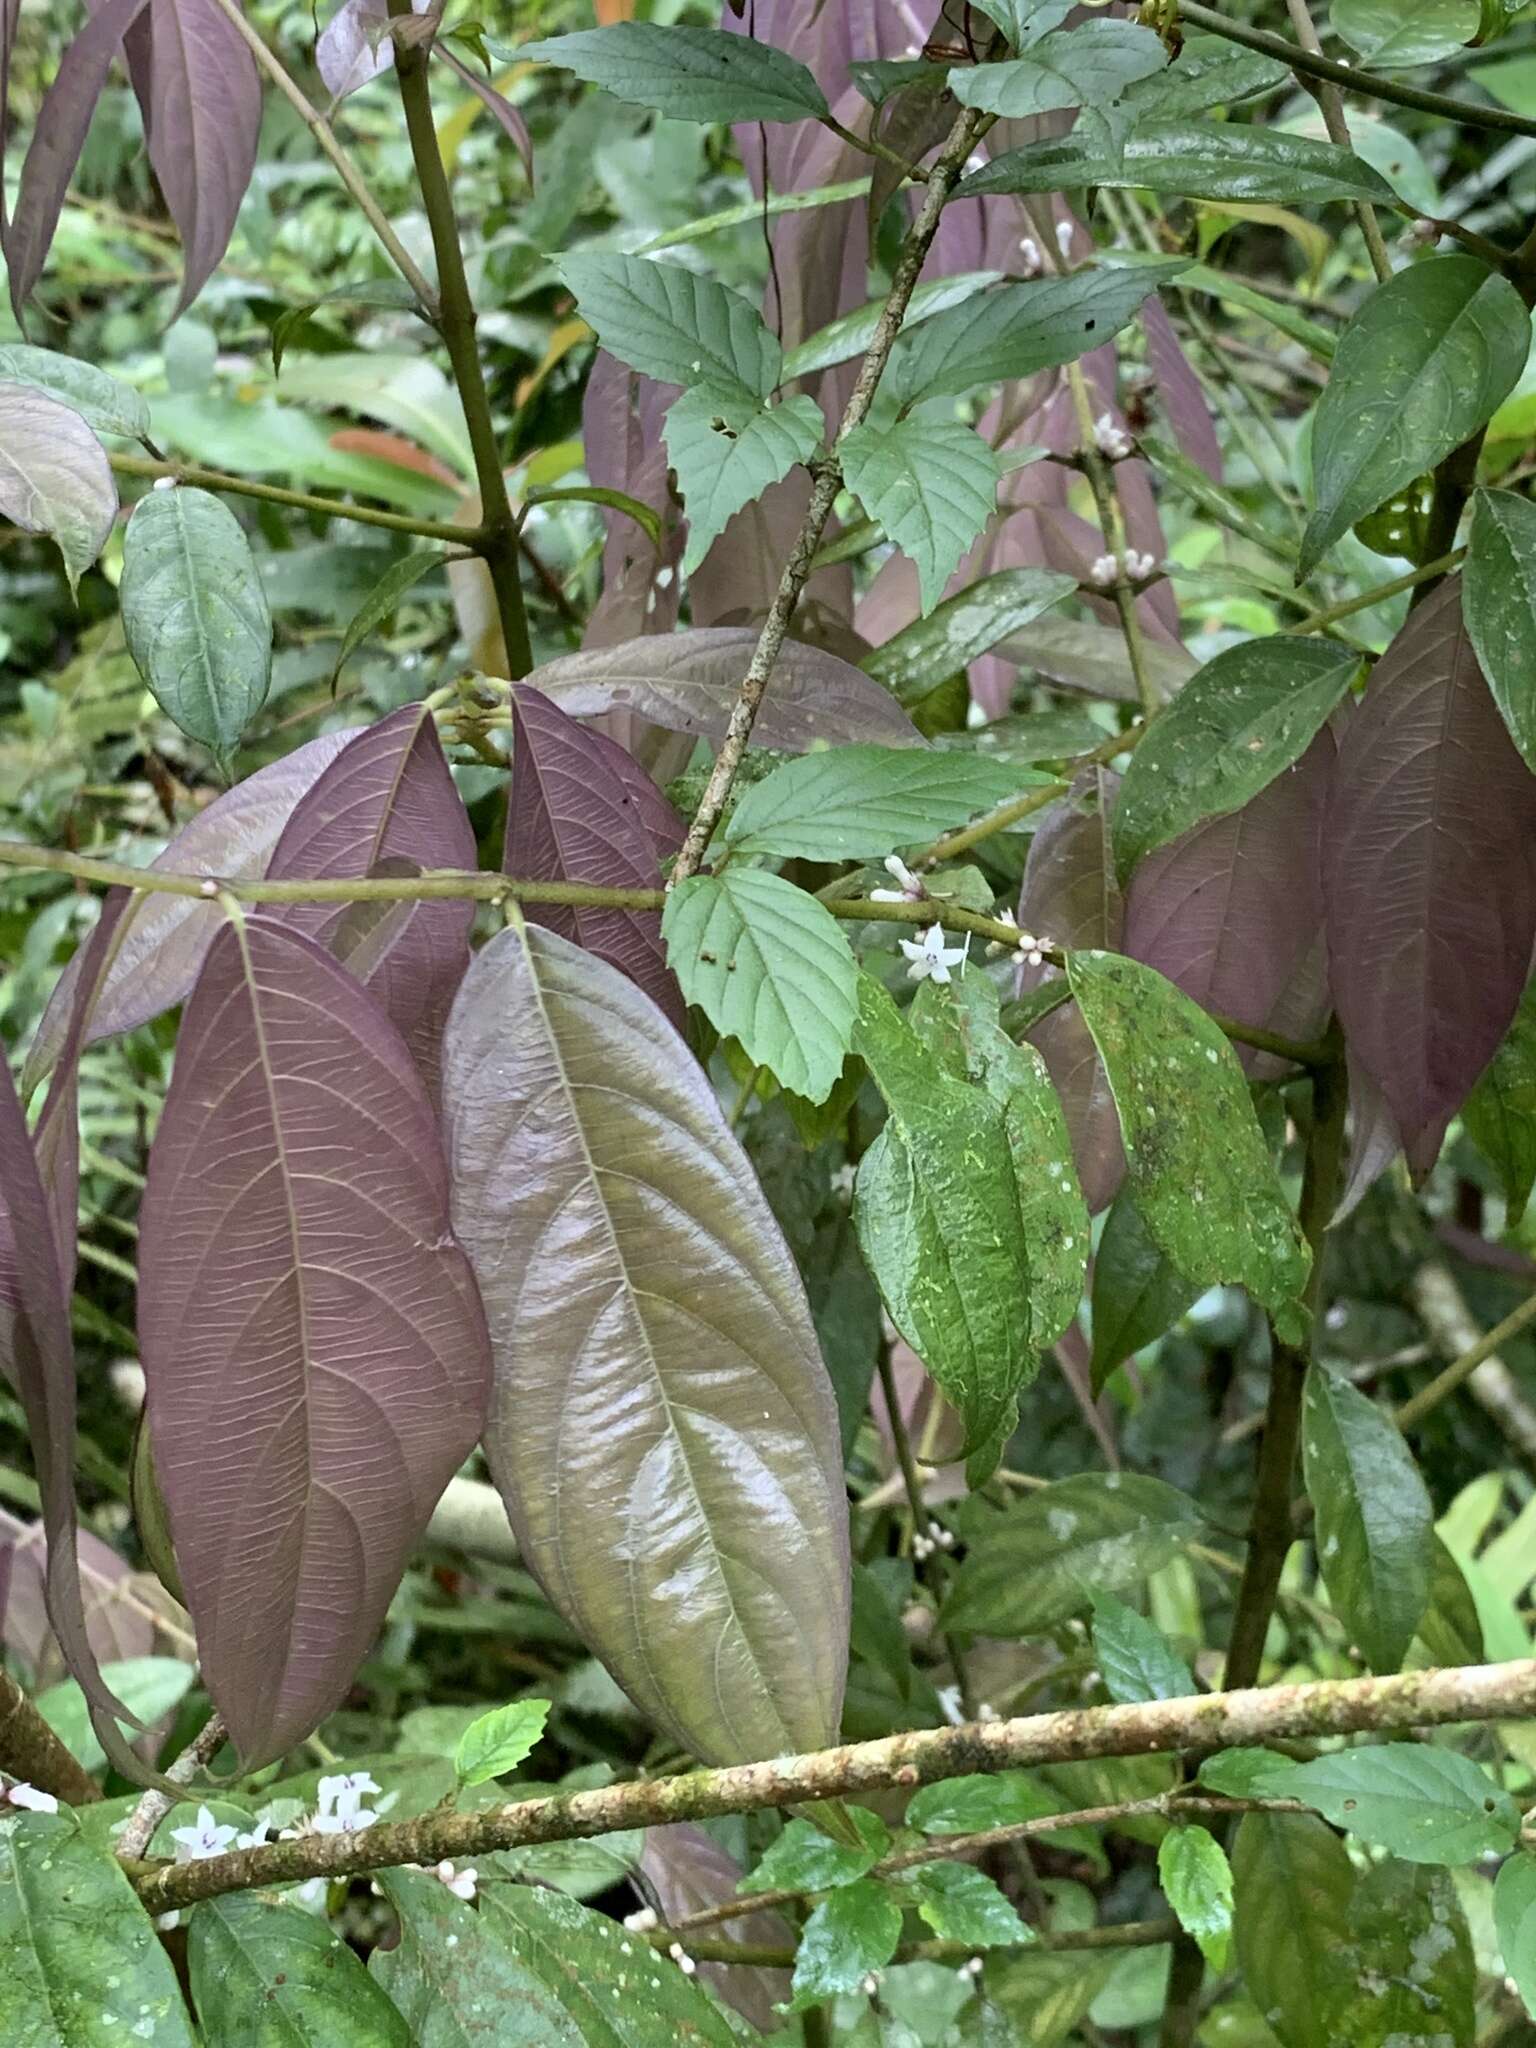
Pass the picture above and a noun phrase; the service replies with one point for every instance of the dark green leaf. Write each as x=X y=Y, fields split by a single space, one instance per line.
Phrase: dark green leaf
x=1136 y=1660
x=1207 y=72
x=1450 y=1627
x=688 y=74
x=54 y=476
x=391 y=292
x=1498 y=601
x=768 y=966
x=969 y=1806
x=961 y=1903
x=859 y=802
x=269 y=1975
x=453 y=1977
x=1138 y=1293
x=931 y=483
x=850 y=1934
x=1293 y=1885
x=383 y=600
x=195 y=615
x=1196 y=1877
x=1424 y=363
x=1194 y=160
x=1514 y=1915
x=1397 y=35
x=1424 y=1803
x=1199 y=1167
x=965 y=627
x=1242 y=720
x=850 y=335
x=1375 y=1524
x=727 y=447
x=805 y=1859
x=1088 y=66
x=1246 y=1773
x=107 y=405
x=1050 y=1553
x=645 y=516
x=80 y=1963
x=1500 y=1113
x=498 y=1741
x=673 y=324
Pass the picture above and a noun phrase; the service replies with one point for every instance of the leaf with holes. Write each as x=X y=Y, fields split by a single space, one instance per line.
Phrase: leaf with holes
x=687 y=74
x=54 y=476
x=931 y=483
x=673 y=324
x=727 y=447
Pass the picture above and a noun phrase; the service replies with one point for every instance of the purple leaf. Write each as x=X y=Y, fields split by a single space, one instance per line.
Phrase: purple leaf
x=127 y=1613
x=388 y=798
x=315 y=1354
x=163 y=945
x=1230 y=910
x=200 y=92
x=582 y=810
x=689 y=1872
x=1373 y=1140
x=688 y=682
x=621 y=419
x=663 y=1430
x=1179 y=389
x=501 y=110
x=58 y=136
x=1429 y=876
x=54 y=476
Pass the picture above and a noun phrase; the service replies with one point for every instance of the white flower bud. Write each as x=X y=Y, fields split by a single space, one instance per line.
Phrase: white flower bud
x=1104 y=572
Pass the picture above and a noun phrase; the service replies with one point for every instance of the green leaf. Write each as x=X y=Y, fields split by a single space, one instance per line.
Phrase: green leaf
x=1293 y=1886
x=1451 y=1627
x=936 y=1209
x=54 y=476
x=1498 y=598
x=1020 y=328
x=80 y=1963
x=1047 y=1556
x=384 y=598
x=969 y=1806
x=931 y=483
x=1023 y=21
x=107 y=405
x=841 y=340
x=1138 y=1292
x=803 y=1859
x=269 y=1975
x=1247 y=1773
x=645 y=516
x=1192 y=160
x=860 y=802
x=1196 y=1878
x=1500 y=1113
x=149 y=1687
x=391 y=292
x=195 y=615
x=1200 y=1170
x=850 y=1934
x=1238 y=723
x=1397 y=35
x=673 y=324
x=688 y=74
x=962 y=629
x=1424 y=363
x=498 y=1741
x=727 y=447
x=1414 y=1980
x=1136 y=1660
x=1208 y=72
x=1514 y=1915
x=450 y=1969
x=1375 y=1524
x=1088 y=66
x=1037 y=2000
x=1424 y=1803
x=961 y=1903
x=768 y=966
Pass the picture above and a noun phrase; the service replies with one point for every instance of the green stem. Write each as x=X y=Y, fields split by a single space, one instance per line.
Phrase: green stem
x=1331 y=106
x=1444 y=1384
x=499 y=543
x=871 y=145
x=470 y=537
x=1319 y=622
x=1112 y=525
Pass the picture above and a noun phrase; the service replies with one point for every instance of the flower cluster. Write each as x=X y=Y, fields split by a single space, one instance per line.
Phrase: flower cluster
x=937 y=1538
x=1106 y=570
x=911 y=890
x=1112 y=442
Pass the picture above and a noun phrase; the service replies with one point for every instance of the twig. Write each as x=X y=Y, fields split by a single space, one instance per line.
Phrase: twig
x=1318 y=622
x=32 y=1753
x=1331 y=106
x=468 y=537
x=1439 y=1302
x=1106 y=499
x=139 y=1828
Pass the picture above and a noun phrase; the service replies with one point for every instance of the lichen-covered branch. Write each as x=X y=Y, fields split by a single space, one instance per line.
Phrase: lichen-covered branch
x=31 y=1752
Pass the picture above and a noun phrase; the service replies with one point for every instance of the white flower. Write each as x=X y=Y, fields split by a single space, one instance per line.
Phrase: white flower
x=207 y=1837
x=311 y=1894
x=972 y=1967
x=1064 y=233
x=683 y=1960
x=256 y=1835
x=642 y=1921
x=164 y=483
x=33 y=1800
x=166 y=1921
x=460 y=1882
x=1109 y=439
x=930 y=958
x=911 y=890
x=343 y=1795
x=350 y=1823
x=1104 y=572
x=1031 y=262
x=871 y=1984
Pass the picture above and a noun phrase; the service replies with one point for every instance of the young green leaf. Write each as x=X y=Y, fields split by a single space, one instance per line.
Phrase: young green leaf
x=727 y=447
x=1499 y=600
x=965 y=627
x=850 y=1934
x=1424 y=363
x=1239 y=722
x=1136 y=1660
x=384 y=598
x=1196 y=1878
x=966 y=1806
x=931 y=483
x=1375 y=1524
x=1192 y=160
x=687 y=74
x=806 y=1860
x=1088 y=66
x=1213 y=1203
x=1045 y=1558
x=1514 y=1915
x=195 y=615
x=768 y=966
x=961 y=1903
x=1500 y=1113
x=499 y=1741
x=1138 y=1293
x=105 y=403
x=54 y=476
x=1424 y=1803
x=265 y=1973
x=673 y=324
x=859 y=802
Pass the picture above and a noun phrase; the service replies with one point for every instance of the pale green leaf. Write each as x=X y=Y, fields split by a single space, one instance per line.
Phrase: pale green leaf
x=1023 y=21
x=859 y=802
x=498 y=1741
x=1246 y=1773
x=1192 y=160
x=850 y=1934
x=54 y=476
x=962 y=629
x=688 y=74
x=1138 y=1293
x=383 y=600
x=768 y=966
x=1514 y=1915
x=1088 y=66
x=1136 y=1660
x=1207 y=72
x=931 y=483
x=727 y=447
x=1398 y=35
x=673 y=324
x=269 y=1975
x=1498 y=600
x=1422 y=365
x=104 y=402
x=195 y=615
x=961 y=1903
x=1200 y=1170
x=1238 y=723
x=1424 y=1803
x=806 y=1860
x=1375 y=1525
x=1196 y=1877
x=149 y=1687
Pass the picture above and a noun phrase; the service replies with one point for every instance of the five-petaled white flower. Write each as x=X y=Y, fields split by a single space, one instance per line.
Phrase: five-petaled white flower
x=911 y=890
x=207 y=1837
x=1109 y=439
x=930 y=959
x=33 y=1800
x=461 y=1883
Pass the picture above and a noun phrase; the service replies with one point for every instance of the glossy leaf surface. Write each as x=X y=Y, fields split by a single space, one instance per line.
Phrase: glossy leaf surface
x=1194 y=160
x=1424 y=1803
x=1196 y=1877
x=859 y=802
x=1499 y=599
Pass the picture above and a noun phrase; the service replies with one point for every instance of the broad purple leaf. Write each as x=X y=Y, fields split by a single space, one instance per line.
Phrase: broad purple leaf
x=690 y=1872
x=621 y=419
x=1179 y=390
x=663 y=1430
x=689 y=682
x=163 y=946
x=54 y=476
x=500 y=109
x=58 y=137
x=1230 y=910
x=200 y=93
x=1429 y=876
x=388 y=798
x=127 y=1613
x=582 y=810
x=315 y=1356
